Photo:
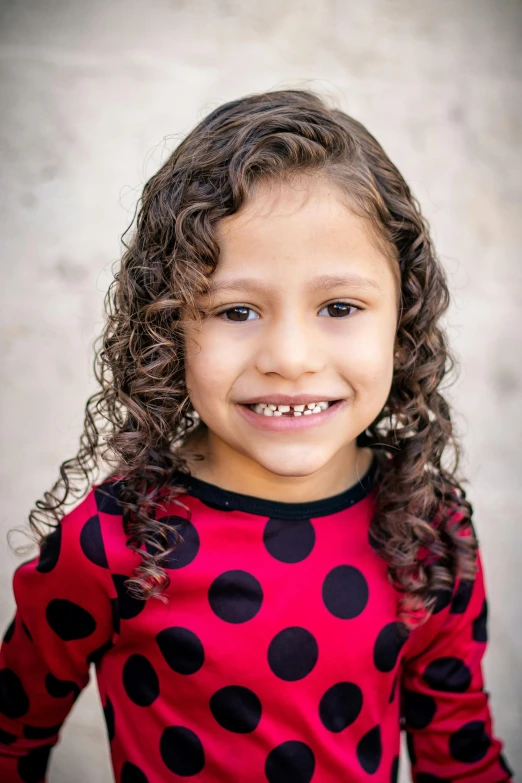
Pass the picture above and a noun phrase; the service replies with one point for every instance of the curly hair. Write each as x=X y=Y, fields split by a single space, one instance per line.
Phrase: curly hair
x=142 y=410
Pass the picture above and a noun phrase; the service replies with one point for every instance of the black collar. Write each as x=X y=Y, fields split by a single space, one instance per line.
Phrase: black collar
x=226 y=500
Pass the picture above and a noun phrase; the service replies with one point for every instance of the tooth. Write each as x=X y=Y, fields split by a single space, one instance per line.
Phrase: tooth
x=299 y=407
x=271 y=406
x=284 y=408
x=263 y=404
x=307 y=412
x=268 y=412
x=317 y=409
x=298 y=413
x=277 y=413
x=324 y=405
x=311 y=405
x=259 y=408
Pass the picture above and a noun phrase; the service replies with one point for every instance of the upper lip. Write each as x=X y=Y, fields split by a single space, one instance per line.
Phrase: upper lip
x=286 y=399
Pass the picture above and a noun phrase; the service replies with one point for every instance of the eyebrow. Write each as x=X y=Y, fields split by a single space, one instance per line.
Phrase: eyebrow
x=323 y=282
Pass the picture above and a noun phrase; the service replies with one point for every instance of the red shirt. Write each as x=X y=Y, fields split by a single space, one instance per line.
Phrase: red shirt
x=278 y=657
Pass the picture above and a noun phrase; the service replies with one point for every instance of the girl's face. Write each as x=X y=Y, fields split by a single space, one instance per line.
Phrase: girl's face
x=303 y=305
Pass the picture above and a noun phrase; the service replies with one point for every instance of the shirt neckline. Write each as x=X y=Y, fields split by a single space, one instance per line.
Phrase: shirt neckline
x=226 y=500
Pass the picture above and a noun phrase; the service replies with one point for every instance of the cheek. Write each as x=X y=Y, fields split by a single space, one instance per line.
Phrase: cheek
x=210 y=365
x=372 y=364
x=368 y=357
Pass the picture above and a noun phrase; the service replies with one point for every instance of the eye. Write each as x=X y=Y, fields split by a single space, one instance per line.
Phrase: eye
x=339 y=309
x=238 y=314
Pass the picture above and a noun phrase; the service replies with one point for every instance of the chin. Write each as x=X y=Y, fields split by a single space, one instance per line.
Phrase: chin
x=291 y=468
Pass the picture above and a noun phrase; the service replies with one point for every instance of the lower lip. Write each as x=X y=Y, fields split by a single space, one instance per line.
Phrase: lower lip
x=291 y=423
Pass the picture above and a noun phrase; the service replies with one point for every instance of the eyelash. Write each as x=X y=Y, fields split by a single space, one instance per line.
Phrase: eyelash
x=222 y=313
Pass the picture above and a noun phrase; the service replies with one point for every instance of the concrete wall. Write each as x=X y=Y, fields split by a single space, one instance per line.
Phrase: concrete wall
x=94 y=96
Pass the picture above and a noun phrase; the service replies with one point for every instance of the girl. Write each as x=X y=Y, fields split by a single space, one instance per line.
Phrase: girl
x=270 y=376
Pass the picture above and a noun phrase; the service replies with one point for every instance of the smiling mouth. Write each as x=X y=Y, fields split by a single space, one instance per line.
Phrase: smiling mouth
x=291 y=411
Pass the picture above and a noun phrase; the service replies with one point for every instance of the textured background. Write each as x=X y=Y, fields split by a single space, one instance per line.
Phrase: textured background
x=94 y=96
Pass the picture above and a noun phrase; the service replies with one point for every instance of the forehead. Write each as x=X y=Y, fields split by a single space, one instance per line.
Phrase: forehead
x=298 y=229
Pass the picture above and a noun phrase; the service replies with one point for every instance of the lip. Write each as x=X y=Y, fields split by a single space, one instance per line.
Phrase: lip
x=286 y=399
x=291 y=423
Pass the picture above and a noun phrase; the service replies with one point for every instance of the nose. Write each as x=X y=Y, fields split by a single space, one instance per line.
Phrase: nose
x=289 y=348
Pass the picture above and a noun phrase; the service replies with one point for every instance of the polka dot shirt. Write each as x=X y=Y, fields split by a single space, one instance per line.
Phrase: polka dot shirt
x=278 y=657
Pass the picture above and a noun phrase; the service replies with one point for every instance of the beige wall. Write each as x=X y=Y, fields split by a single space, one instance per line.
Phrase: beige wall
x=95 y=94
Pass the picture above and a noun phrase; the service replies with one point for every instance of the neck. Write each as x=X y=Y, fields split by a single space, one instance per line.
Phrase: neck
x=218 y=464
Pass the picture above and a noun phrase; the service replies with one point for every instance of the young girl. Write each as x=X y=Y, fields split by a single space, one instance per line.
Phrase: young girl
x=270 y=401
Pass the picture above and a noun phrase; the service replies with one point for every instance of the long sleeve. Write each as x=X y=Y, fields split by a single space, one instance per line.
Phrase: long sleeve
x=64 y=620
x=446 y=715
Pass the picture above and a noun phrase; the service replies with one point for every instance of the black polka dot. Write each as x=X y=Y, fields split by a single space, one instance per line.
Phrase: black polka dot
x=388 y=645
x=106 y=496
x=470 y=743
x=108 y=714
x=9 y=632
x=345 y=592
x=181 y=751
x=68 y=620
x=427 y=777
x=33 y=766
x=115 y=609
x=140 y=681
x=419 y=709
x=340 y=706
x=410 y=747
x=369 y=750
x=292 y=653
x=130 y=773
x=6 y=738
x=235 y=596
x=50 y=551
x=185 y=551
x=236 y=708
x=447 y=674
x=393 y=688
x=289 y=541
x=480 y=624
x=462 y=596
x=91 y=542
x=292 y=760
x=443 y=599
x=129 y=607
x=60 y=688
x=41 y=732
x=13 y=699
x=181 y=649
x=394 y=777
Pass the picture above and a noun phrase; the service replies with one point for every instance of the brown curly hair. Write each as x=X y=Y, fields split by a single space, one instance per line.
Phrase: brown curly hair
x=142 y=411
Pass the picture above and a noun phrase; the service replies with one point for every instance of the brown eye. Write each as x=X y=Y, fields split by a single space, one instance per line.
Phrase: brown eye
x=237 y=314
x=339 y=309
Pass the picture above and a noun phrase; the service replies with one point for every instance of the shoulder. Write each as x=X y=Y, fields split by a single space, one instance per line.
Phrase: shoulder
x=102 y=538
x=461 y=558
x=79 y=548
x=68 y=589
x=453 y=522
x=71 y=568
x=106 y=495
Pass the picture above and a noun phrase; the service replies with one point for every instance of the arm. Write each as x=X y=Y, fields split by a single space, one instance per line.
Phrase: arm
x=63 y=621
x=449 y=728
